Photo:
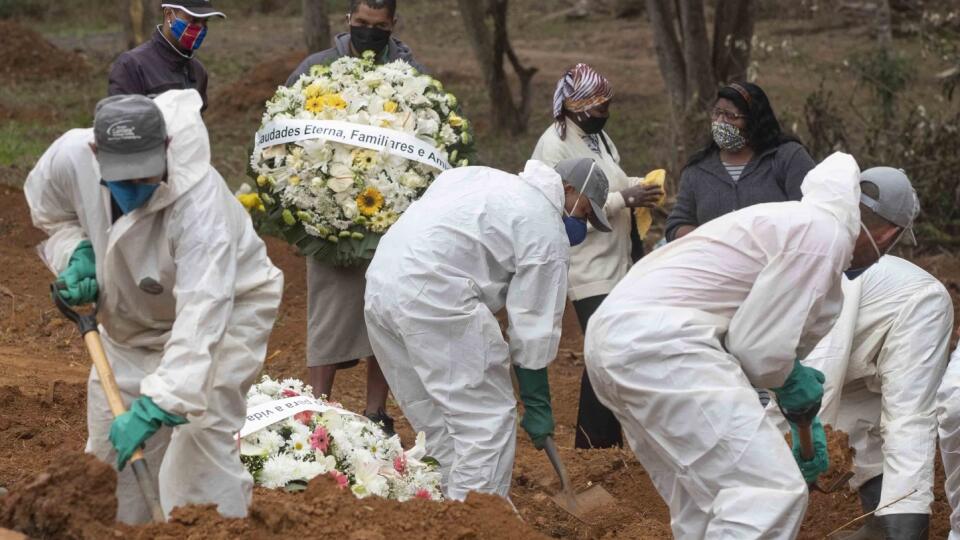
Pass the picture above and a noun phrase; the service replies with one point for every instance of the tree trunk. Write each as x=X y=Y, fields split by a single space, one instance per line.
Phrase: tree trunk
x=316 y=25
x=140 y=16
x=491 y=46
x=733 y=33
x=691 y=68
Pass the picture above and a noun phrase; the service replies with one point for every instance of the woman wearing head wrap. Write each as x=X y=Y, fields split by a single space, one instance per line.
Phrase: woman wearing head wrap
x=581 y=107
x=749 y=160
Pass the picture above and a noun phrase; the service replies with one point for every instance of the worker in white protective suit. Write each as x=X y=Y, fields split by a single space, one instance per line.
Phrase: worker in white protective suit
x=883 y=361
x=479 y=240
x=140 y=222
x=677 y=348
x=948 y=416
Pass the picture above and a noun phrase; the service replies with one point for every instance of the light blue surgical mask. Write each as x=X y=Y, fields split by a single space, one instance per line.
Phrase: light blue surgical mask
x=130 y=195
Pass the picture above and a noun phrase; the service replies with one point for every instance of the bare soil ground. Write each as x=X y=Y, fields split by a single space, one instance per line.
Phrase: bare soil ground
x=43 y=369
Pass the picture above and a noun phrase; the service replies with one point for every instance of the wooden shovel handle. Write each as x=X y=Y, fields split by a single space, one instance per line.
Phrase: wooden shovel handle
x=805 y=433
x=107 y=380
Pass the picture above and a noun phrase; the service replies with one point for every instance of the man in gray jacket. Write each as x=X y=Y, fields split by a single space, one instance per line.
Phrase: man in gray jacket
x=371 y=28
x=336 y=332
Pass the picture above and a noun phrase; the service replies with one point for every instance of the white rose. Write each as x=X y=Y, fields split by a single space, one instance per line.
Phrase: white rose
x=412 y=180
x=427 y=127
x=349 y=207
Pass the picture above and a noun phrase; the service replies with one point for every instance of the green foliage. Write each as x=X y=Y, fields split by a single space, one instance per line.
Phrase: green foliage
x=886 y=74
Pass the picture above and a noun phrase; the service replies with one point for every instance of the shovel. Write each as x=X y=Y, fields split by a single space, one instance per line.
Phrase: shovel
x=804 y=421
x=91 y=336
x=580 y=505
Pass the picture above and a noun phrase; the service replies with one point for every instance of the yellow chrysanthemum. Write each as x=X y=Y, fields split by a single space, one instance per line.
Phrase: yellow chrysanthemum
x=251 y=201
x=294 y=180
x=313 y=91
x=364 y=159
x=390 y=106
x=334 y=101
x=370 y=202
x=454 y=120
x=314 y=105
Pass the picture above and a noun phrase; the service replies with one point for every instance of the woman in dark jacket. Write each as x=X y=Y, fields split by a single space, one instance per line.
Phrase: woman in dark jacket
x=749 y=161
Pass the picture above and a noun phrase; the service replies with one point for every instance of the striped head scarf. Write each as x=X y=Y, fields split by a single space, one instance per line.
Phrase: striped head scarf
x=580 y=89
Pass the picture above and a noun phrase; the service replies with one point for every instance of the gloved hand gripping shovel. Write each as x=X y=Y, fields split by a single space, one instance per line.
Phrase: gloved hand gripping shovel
x=804 y=422
x=580 y=505
x=87 y=323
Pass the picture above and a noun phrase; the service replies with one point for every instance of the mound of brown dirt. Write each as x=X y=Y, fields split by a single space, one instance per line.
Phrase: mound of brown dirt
x=28 y=56
x=247 y=95
x=841 y=457
x=74 y=499
x=325 y=509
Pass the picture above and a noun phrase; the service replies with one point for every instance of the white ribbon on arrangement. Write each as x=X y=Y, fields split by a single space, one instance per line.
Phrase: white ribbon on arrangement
x=261 y=416
x=372 y=138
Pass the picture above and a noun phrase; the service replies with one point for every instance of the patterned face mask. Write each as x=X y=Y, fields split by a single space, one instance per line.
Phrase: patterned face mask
x=728 y=136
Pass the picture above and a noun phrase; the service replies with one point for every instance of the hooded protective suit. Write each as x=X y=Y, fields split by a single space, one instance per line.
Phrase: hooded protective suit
x=948 y=415
x=479 y=240
x=883 y=362
x=187 y=300
x=679 y=344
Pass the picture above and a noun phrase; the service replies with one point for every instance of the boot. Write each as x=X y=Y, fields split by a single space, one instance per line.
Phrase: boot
x=905 y=526
x=869 y=499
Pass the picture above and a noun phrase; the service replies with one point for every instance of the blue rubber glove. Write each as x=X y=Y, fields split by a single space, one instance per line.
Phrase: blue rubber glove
x=812 y=469
x=131 y=429
x=537 y=412
x=80 y=276
x=802 y=389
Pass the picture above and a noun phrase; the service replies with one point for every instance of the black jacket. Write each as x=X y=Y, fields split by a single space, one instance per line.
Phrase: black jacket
x=155 y=67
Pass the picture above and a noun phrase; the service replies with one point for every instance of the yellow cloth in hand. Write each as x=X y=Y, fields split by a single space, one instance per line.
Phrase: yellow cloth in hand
x=644 y=215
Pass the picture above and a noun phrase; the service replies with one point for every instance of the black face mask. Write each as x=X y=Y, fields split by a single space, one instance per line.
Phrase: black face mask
x=368 y=38
x=592 y=125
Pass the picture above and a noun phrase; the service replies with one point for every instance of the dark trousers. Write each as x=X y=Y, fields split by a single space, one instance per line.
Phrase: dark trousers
x=597 y=427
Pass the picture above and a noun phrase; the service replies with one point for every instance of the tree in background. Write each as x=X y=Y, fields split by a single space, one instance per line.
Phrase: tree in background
x=316 y=25
x=486 y=25
x=141 y=17
x=692 y=66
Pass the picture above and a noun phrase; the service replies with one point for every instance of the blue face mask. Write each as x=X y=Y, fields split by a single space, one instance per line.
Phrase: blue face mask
x=576 y=229
x=130 y=196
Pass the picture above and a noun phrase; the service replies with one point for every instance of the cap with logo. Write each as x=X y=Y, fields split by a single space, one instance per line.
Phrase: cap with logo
x=131 y=138
x=590 y=181
x=896 y=199
x=200 y=9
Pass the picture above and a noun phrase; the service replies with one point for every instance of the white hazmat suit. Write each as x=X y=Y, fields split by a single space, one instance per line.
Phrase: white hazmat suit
x=479 y=240
x=948 y=415
x=679 y=345
x=883 y=362
x=187 y=298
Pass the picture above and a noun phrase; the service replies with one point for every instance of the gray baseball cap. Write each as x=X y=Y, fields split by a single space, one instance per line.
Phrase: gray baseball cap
x=131 y=138
x=896 y=201
x=200 y=9
x=588 y=178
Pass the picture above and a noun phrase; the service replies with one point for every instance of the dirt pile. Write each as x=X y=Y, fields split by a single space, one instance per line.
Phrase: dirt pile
x=28 y=56
x=841 y=457
x=74 y=499
x=247 y=95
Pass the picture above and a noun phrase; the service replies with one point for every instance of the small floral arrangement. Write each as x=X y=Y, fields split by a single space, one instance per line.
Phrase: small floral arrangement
x=359 y=158
x=348 y=447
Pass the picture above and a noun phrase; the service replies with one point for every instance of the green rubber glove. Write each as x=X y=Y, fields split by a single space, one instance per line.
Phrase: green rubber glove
x=812 y=469
x=131 y=429
x=802 y=389
x=80 y=276
x=537 y=413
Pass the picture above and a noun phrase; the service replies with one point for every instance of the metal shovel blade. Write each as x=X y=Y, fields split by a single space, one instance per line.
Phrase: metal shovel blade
x=580 y=505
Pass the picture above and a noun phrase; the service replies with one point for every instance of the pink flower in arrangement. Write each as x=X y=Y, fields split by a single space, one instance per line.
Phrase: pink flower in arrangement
x=400 y=464
x=289 y=393
x=320 y=439
x=304 y=417
x=423 y=493
x=342 y=480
